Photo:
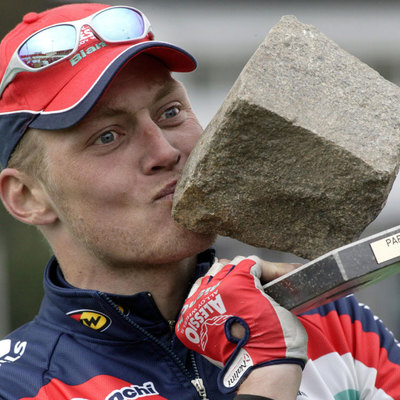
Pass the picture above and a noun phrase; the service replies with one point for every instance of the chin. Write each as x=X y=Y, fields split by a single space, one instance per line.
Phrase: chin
x=189 y=245
x=161 y=245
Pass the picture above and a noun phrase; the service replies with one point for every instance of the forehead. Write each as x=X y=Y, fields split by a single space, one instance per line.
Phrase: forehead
x=142 y=80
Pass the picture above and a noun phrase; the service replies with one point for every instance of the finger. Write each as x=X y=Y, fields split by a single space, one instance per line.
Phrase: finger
x=274 y=270
x=237 y=330
x=216 y=267
x=220 y=264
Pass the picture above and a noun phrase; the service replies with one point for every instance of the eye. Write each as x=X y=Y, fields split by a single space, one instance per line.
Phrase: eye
x=106 y=137
x=171 y=112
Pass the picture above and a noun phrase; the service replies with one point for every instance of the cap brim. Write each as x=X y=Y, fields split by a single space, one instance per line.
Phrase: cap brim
x=83 y=90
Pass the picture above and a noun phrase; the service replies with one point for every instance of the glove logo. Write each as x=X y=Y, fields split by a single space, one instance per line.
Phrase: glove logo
x=202 y=317
x=219 y=320
x=237 y=369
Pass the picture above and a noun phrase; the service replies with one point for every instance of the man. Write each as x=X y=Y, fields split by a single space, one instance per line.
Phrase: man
x=94 y=135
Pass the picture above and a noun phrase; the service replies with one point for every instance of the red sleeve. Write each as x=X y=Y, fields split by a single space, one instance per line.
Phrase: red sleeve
x=347 y=327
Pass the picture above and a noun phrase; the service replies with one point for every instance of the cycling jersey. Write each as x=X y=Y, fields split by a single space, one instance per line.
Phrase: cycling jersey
x=86 y=344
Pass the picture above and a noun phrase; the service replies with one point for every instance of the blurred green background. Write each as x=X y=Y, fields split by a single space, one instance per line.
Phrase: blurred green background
x=27 y=253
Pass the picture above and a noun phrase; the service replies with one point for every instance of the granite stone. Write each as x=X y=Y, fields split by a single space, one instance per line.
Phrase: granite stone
x=303 y=152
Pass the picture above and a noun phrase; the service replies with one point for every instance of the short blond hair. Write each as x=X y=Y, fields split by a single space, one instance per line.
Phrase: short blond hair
x=29 y=156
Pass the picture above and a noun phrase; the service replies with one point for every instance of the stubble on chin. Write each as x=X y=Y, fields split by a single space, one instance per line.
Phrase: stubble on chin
x=176 y=246
x=120 y=247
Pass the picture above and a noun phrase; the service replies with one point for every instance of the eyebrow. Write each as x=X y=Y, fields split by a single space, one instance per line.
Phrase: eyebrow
x=169 y=87
x=110 y=111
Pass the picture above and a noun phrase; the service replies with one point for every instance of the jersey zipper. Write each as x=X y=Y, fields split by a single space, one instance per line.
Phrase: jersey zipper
x=197 y=382
x=171 y=324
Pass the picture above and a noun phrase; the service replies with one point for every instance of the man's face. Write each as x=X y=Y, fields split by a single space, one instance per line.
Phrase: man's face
x=111 y=178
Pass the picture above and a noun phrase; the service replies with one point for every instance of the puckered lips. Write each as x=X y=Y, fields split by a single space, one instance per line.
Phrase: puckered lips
x=167 y=192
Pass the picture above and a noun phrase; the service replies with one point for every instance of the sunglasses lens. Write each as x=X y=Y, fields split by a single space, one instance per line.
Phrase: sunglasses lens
x=48 y=46
x=118 y=24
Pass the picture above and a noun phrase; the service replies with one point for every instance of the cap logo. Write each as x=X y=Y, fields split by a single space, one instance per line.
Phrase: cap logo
x=85 y=52
x=86 y=35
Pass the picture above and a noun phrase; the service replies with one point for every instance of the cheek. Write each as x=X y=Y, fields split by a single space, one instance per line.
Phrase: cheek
x=84 y=187
x=191 y=136
x=96 y=183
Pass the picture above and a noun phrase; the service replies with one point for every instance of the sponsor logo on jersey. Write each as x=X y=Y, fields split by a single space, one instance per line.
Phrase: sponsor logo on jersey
x=101 y=387
x=92 y=319
x=133 y=392
x=11 y=351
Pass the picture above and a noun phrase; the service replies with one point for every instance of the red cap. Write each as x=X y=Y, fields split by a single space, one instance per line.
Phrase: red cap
x=61 y=95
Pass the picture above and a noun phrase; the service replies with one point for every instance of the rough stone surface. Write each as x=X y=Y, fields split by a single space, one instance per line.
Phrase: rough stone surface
x=303 y=152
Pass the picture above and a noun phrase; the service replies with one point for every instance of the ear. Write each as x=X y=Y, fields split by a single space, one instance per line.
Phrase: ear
x=25 y=199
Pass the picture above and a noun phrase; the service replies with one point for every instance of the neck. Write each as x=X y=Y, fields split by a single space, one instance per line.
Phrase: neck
x=168 y=283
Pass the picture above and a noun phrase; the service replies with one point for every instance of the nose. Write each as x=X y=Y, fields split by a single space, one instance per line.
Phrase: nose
x=159 y=150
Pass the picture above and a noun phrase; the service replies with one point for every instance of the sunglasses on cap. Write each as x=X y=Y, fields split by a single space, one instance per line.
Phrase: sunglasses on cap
x=55 y=43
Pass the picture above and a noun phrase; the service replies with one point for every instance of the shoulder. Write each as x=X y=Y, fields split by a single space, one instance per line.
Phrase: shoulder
x=346 y=314
x=25 y=357
x=349 y=327
x=346 y=338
